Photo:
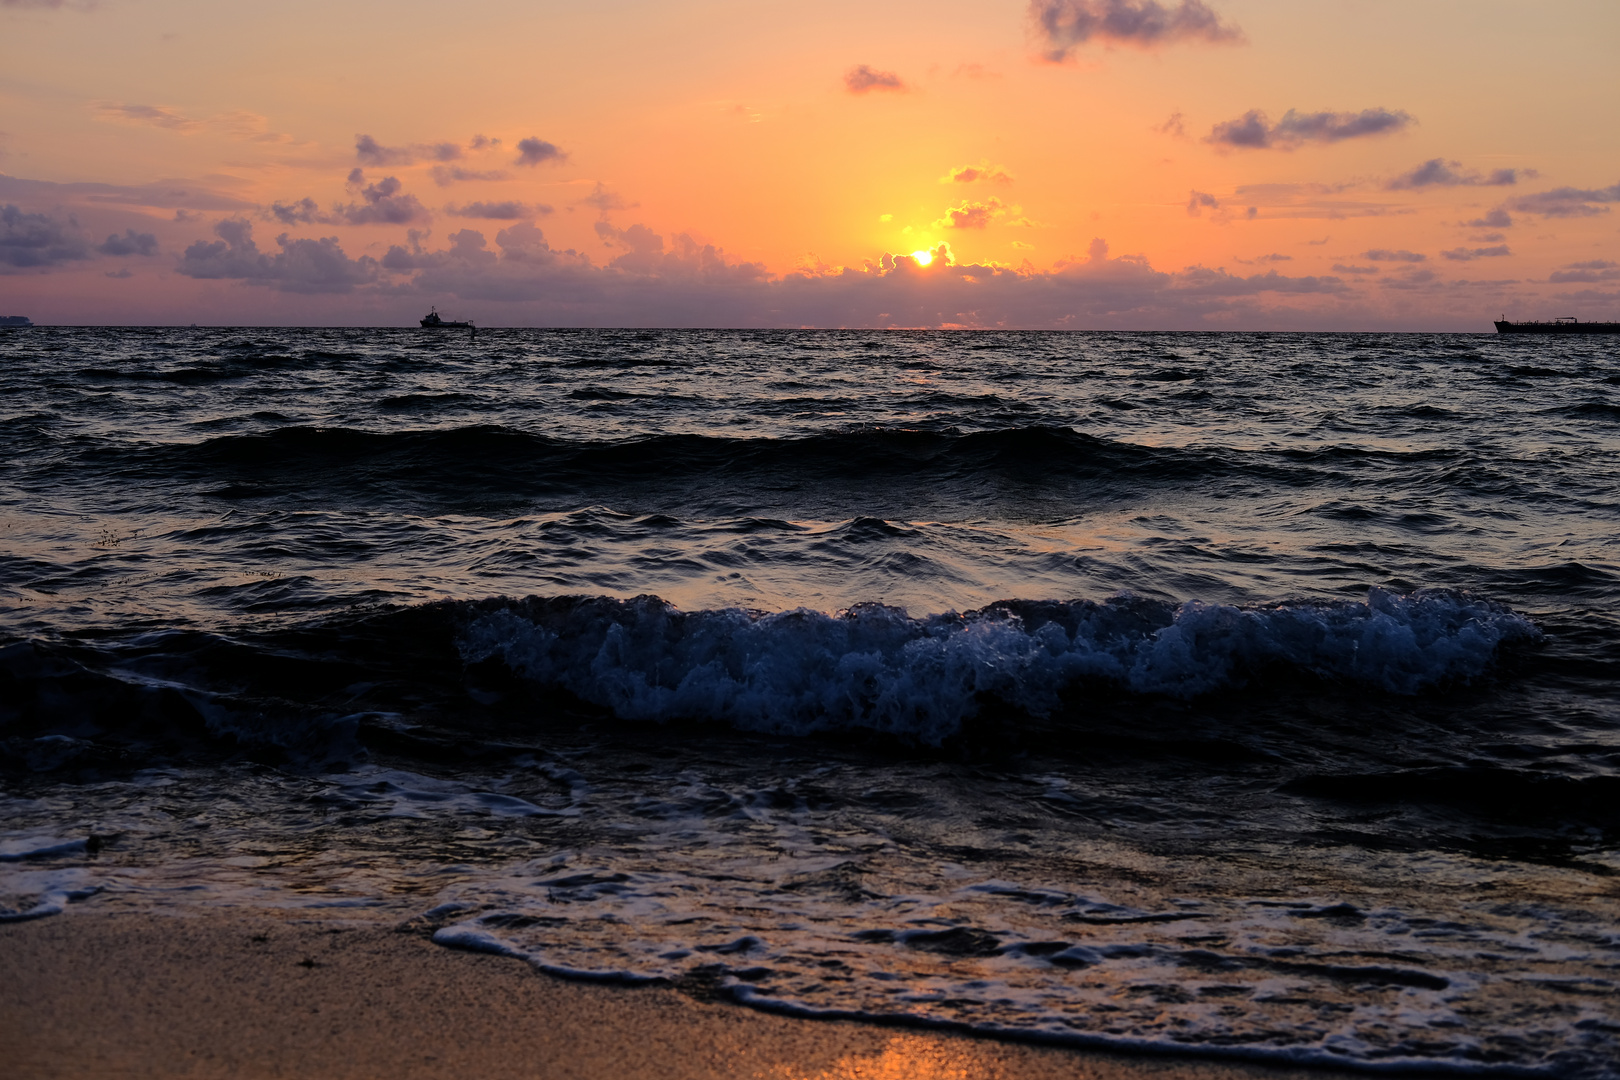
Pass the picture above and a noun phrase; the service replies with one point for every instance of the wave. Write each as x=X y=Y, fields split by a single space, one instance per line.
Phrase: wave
x=911 y=470
x=876 y=668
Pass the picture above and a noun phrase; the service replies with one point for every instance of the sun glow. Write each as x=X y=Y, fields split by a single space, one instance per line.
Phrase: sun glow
x=923 y=257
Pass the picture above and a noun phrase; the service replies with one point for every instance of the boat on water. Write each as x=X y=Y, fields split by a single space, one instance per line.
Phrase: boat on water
x=434 y=321
x=1567 y=325
x=15 y=320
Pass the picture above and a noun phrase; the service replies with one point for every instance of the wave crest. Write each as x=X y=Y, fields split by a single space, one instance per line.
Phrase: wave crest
x=875 y=667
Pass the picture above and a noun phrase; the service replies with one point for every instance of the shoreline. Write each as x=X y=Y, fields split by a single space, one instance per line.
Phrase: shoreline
x=266 y=993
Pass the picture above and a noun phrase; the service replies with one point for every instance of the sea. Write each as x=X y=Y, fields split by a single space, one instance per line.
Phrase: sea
x=1226 y=694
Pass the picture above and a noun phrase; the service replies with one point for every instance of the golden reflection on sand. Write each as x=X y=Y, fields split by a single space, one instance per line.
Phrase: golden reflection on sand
x=906 y=1057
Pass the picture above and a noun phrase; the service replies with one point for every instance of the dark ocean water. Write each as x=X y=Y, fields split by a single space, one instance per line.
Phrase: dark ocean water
x=1225 y=693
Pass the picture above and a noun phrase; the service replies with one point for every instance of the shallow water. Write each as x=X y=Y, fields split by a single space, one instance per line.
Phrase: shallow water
x=1240 y=693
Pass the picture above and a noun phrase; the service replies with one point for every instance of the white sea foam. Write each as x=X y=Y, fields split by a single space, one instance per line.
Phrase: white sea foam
x=875 y=667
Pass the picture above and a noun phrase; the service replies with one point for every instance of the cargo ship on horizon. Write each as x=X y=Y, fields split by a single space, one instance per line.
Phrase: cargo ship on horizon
x=1567 y=325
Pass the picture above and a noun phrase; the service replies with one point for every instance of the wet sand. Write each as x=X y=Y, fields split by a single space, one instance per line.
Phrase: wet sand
x=261 y=994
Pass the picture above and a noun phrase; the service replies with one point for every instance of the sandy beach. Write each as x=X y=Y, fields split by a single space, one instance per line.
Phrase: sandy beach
x=266 y=995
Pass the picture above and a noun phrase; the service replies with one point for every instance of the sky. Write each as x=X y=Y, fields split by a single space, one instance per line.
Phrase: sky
x=1063 y=164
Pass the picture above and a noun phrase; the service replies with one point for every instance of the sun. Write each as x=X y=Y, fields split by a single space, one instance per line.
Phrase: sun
x=923 y=257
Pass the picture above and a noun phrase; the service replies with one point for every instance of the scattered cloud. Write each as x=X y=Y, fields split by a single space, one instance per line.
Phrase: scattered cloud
x=605 y=200
x=302 y=212
x=1470 y=254
x=862 y=79
x=1065 y=25
x=973 y=215
x=982 y=173
x=301 y=266
x=1437 y=172
x=30 y=241
x=532 y=152
x=445 y=175
x=1498 y=218
x=369 y=152
x=165 y=194
x=510 y=210
x=1199 y=200
x=382 y=203
x=152 y=115
x=1342 y=268
x=1386 y=255
x=1175 y=126
x=238 y=123
x=131 y=243
x=1255 y=131
x=1567 y=202
x=1586 y=272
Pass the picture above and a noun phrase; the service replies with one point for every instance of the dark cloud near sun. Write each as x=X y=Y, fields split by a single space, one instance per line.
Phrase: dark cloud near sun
x=1065 y=25
x=1255 y=131
x=982 y=173
x=301 y=266
x=1438 y=172
x=862 y=79
x=532 y=152
x=31 y=241
x=131 y=243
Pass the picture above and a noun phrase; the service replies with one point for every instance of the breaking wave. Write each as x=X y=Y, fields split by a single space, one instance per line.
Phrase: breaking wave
x=877 y=668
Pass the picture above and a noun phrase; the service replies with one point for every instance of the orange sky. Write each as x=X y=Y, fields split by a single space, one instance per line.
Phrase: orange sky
x=731 y=163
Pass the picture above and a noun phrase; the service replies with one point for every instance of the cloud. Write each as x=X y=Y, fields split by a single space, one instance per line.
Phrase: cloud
x=1198 y=200
x=1593 y=271
x=657 y=280
x=509 y=210
x=131 y=243
x=1498 y=218
x=1437 y=172
x=1254 y=130
x=605 y=200
x=533 y=152
x=982 y=173
x=369 y=152
x=301 y=266
x=1470 y=254
x=862 y=79
x=1175 y=126
x=167 y=194
x=153 y=115
x=973 y=215
x=303 y=212
x=239 y=123
x=1386 y=255
x=30 y=241
x=383 y=204
x=445 y=175
x=1567 y=202
x=1341 y=268
x=1067 y=24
